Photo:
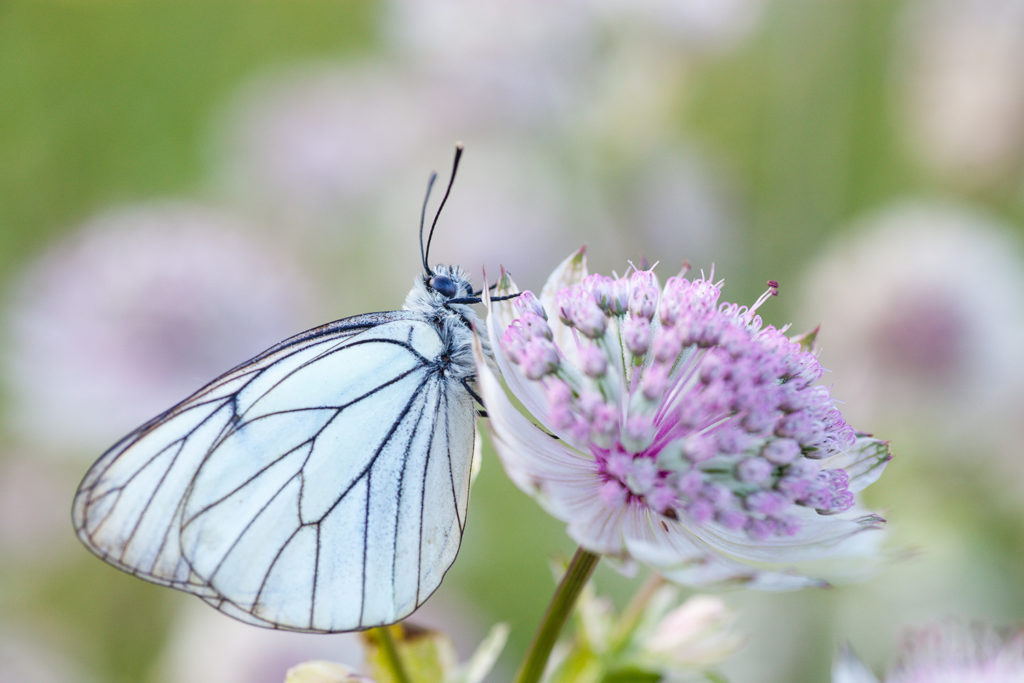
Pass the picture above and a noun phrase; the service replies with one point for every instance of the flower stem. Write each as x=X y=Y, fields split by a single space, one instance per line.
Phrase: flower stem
x=562 y=603
x=390 y=654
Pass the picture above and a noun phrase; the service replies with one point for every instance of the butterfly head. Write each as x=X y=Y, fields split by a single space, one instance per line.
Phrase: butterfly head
x=441 y=288
x=443 y=285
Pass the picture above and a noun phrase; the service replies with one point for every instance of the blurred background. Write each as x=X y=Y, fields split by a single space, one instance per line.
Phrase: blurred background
x=184 y=184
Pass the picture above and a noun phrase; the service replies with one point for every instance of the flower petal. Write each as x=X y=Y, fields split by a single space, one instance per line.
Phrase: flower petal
x=592 y=523
x=504 y=311
x=710 y=554
x=820 y=536
x=678 y=559
x=533 y=459
x=499 y=315
x=569 y=272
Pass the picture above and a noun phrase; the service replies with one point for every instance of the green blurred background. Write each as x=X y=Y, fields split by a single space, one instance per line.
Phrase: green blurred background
x=774 y=139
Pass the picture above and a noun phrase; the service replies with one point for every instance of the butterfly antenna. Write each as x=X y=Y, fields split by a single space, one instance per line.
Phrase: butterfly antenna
x=423 y=220
x=489 y=287
x=447 y=191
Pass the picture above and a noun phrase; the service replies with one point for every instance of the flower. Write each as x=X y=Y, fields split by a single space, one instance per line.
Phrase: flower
x=314 y=142
x=135 y=309
x=946 y=652
x=695 y=634
x=689 y=435
x=932 y=338
x=655 y=638
x=524 y=63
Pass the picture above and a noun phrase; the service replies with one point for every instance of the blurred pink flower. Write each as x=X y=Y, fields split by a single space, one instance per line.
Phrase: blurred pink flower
x=659 y=635
x=311 y=143
x=690 y=436
x=573 y=72
x=695 y=635
x=925 y=308
x=133 y=311
x=946 y=652
x=515 y=62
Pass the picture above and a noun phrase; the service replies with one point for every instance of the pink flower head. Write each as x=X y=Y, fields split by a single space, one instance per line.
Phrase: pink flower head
x=948 y=651
x=701 y=444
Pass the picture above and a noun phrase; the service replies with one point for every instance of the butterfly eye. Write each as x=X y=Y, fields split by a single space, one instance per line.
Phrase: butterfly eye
x=444 y=286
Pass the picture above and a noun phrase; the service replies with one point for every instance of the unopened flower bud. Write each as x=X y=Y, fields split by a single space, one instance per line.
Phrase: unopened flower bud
x=589 y=319
x=636 y=333
x=527 y=302
x=643 y=294
x=618 y=304
x=539 y=358
x=593 y=361
x=535 y=326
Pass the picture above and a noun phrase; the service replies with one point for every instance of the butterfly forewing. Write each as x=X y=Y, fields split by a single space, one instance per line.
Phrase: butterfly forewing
x=322 y=486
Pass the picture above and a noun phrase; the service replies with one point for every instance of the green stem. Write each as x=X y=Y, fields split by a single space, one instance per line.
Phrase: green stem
x=561 y=606
x=391 y=656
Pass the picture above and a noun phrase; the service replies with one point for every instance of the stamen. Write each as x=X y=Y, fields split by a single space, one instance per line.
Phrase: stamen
x=773 y=290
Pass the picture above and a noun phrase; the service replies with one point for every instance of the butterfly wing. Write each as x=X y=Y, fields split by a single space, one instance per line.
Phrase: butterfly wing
x=322 y=486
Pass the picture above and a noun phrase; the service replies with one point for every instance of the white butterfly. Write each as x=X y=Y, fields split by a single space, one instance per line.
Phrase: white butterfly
x=320 y=486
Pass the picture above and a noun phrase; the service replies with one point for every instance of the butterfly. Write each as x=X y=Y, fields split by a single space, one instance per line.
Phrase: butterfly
x=321 y=486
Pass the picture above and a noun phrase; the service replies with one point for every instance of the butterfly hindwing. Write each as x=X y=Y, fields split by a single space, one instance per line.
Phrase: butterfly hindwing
x=321 y=486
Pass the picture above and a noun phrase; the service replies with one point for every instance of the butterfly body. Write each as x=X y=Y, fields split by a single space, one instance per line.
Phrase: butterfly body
x=320 y=486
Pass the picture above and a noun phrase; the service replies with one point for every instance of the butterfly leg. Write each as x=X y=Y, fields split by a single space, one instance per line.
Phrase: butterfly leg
x=476 y=397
